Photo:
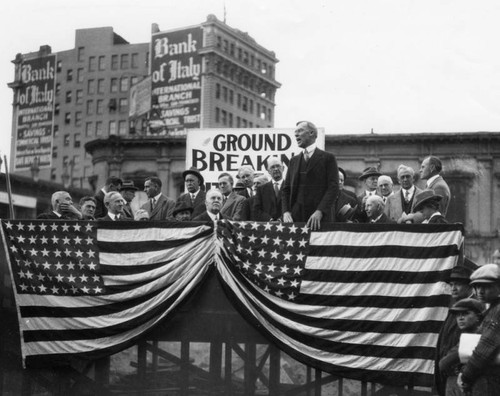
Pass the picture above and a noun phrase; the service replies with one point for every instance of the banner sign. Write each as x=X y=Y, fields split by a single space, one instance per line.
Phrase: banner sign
x=35 y=113
x=176 y=79
x=140 y=98
x=213 y=151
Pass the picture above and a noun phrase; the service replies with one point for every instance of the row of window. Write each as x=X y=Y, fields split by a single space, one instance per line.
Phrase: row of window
x=225 y=118
x=118 y=61
x=98 y=86
x=113 y=105
x=244 y=56
x=242 y=102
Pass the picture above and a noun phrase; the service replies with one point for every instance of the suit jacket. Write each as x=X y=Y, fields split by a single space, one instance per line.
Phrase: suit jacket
x=394 y=205
x=162 y=210
x=127 y=211
x=266 y=206
x=108 y=218
x=345 y=197
x=321 y=182
x=440 y=187
x=383 y=219
x=232 y=206
x=438 y=219
x=205 y=217
x=247 y=211
x=52 y=216
x=100 y=208
x=199 y=203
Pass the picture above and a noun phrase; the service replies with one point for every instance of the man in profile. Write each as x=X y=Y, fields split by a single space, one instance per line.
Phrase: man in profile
x=159 y=206
x=62 y=208
x=113 y=183
x=195 y=191
x=375 y=210
x=312 y=181
x=213 y=206
x=231 y=201
x=430 y=170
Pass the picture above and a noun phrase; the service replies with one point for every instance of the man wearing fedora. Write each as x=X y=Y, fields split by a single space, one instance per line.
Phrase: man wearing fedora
x=369 y=177
x=403 y=201
x=183 y=211
x=195 y=191
x=347 y=202
x=427 y=203
x=127 y=191
x=430 y=170
x=480 y=376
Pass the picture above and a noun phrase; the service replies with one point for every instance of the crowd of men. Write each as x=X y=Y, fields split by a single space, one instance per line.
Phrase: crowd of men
x=313 y=191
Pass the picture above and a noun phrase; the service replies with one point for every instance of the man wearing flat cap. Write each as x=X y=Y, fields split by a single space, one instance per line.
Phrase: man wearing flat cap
x=370 y=179
x=403 y=201
x=427 y=203
x=195 y=191
x=127 y=190
x=481 y=375
x=449 y=334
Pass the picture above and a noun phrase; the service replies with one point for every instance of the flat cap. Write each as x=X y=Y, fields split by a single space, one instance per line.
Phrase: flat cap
x=488 y=273
x=468 y=304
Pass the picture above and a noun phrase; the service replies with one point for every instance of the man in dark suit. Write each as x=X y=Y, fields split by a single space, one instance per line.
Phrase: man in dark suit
x=375 y=210
x=62 y=208
x=232 y=202
x=195 y=195
x=114 y=203
x=346 y=206
x=113 y=183
x=430 y=170
x=248 y=211
x=427 y=202
x=267 y=201
x=159 y=206
x=312 y=181
x=213 y=206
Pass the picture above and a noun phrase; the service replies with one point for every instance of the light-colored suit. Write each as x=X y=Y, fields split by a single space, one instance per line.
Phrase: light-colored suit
x=232 y=206
x=440 y=187
x=394 y=205
x=162 y=210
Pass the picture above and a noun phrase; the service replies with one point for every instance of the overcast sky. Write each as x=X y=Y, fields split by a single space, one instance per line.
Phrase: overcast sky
x=397 y=66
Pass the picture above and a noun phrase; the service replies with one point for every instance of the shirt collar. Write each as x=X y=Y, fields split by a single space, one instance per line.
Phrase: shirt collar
x=411 y=190
x=379 y=216
x=214 y=217
x=430 y=180
x=310 y=149
x=112 y=215
x=157 y=197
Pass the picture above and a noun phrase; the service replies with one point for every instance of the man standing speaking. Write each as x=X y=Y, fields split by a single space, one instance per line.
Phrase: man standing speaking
x=312 y=181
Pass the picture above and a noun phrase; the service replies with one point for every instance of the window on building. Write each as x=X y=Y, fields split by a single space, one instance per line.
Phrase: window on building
x=54 y=152
x=98 y=128
x=114 y=85
x=66 y=140
x=263 y=69
x=231 y=49
x=79 y=97
x=77 y=140
x=238 y=122
x=219 y=41
x=81 y=54
x=243 y=123
x=100 y=106
x=134 y=60
x=76 y=160
x=224 y=117
x=230 y=120
x=252 y=60
x=67 y=118
x=250 y=107
x=56 y=109
x=69 y=75
x=92 y=63
x=124 y=61
x=217 y=91
x=79 y=75
x=134 y=80
x=122 y=127
x=91 y=86
x=100 y=86
x=244 y=105
x=258 y=109
x=238 y=103
x=245 y=57
x=56 y=131
x=102 y=62
x=78 y=118
x=123 y=105
x=269 y=115
x=263 y=112
x=88 y=129
x=217 y=114
x=112 y=127
x=90 y=107
x=65 y=161
x=59 y=66
x=231 y=96
x=112 y=105
x=250 y=124
x=225 y=45
x=114 y=62
x=224 y=93
x=68 y=96
x=240 y=53
x=124 y=84
x=58 y=89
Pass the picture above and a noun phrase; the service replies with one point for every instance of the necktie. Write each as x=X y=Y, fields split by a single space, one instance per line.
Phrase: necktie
x=192 y=199
x=117 y=217
x=407 y=196
x=384 y=198
x=152 y=203
x=276 y=189
x=306 y=156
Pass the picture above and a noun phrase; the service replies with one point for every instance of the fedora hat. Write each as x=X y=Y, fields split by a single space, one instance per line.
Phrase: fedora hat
x=371 y=171
x=128 y=185
x=346 y=212
x=196 y=172
x=425 y=196
x=460 y=273
x=181 y=206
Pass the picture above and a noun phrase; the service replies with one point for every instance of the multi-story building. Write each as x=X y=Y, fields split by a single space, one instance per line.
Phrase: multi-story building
x=92 y=84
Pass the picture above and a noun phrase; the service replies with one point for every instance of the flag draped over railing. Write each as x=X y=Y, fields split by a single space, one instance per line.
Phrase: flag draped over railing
x=361 y=301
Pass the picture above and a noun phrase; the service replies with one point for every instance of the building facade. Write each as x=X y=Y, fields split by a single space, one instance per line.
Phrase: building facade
x=92 y=88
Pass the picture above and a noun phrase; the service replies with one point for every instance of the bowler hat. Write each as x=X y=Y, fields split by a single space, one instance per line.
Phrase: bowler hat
x=371 y=171
x=181 y=206
x=424 y=197
x=194 y=171
x=487 y=273
x=468 y=304
x=128 y=185
x=460 y=273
